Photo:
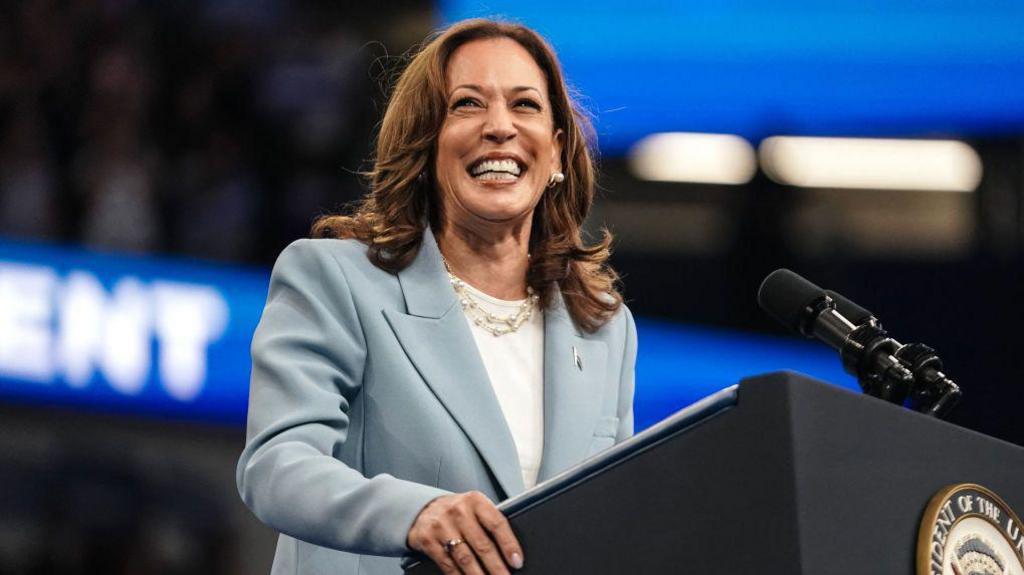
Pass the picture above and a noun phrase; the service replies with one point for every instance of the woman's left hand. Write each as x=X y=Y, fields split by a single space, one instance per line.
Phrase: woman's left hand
x=462 y=531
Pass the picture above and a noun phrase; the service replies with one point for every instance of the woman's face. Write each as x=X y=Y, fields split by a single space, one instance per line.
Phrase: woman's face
x=498 y=146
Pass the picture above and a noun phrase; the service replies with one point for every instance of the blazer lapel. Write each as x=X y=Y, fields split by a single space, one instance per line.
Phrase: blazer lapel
x=574 y=370
x=436 y=337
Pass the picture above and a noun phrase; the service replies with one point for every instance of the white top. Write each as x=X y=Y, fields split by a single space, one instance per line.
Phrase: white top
x=515 y=365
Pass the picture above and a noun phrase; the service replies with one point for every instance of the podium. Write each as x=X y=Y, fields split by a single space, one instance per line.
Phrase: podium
x=778 y=474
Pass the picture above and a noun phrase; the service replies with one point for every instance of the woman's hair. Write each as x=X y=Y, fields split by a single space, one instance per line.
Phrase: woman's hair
x=402 y=198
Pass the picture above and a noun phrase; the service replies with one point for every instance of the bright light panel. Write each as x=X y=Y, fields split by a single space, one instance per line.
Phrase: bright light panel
x=864 y=163
x=691 y=157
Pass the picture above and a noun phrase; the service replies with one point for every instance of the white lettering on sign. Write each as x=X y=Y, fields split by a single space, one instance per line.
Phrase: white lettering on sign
x=73 y=327
x=188 y=319
x=126 y=337
x=26 y=314
x=82 y=302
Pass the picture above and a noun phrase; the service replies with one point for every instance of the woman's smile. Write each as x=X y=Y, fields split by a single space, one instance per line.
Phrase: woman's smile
x=497 y=169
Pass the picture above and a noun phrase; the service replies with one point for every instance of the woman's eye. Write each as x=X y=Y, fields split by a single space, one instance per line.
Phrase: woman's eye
x=465 y=102
x=528 y=103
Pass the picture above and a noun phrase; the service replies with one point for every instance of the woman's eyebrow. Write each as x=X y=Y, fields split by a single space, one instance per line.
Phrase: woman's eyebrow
x=477 y=88
x=470 y=86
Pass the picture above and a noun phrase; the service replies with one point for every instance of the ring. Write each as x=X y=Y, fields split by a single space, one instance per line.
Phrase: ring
x=451 y=544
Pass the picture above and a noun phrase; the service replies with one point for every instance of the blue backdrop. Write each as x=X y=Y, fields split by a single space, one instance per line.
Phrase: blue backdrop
x=759 y=67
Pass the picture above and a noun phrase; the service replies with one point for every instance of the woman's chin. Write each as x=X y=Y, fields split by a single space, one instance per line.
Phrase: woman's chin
x=500 y=204
x=496 y=216
x=499 y=210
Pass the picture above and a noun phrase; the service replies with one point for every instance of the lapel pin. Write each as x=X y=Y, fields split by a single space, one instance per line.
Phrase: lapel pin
x=577 y=359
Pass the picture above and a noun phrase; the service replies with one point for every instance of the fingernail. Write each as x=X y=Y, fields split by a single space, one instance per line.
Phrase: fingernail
x=517 y=561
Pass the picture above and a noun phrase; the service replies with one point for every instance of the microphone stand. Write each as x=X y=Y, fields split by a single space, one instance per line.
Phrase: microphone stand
x=931 y=392
x=866 y=350
x=919 y=375
x=935 y=394
x=870 y=353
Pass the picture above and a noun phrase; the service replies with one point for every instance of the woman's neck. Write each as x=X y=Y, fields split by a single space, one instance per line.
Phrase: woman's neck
x=493 y=260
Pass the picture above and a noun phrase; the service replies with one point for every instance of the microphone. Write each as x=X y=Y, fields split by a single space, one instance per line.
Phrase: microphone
x=934 y=393
x=803 y=307
x=867 y=352
x=852 y=311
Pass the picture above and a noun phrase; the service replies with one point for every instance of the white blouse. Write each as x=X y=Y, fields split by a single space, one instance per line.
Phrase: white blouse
x=515 y=365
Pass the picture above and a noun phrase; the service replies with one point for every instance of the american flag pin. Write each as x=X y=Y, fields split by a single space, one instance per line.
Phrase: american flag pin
x=577 y=359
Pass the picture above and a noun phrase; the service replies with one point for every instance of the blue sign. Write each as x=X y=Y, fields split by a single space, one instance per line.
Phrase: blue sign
x=170 y=338
x=148 y=336
x=759 y=67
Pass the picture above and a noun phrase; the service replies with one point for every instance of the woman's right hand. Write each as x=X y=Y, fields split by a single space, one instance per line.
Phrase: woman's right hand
x=486 y=544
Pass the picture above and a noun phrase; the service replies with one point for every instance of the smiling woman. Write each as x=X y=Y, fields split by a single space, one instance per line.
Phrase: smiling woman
x=453 y=341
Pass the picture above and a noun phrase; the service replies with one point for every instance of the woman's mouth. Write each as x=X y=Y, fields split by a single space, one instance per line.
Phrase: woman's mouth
x=496 y=170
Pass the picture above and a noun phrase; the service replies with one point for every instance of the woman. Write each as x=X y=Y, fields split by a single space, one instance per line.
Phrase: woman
x=451 y=343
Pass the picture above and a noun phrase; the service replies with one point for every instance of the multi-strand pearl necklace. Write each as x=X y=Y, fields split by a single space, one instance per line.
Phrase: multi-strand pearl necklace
x=495 y=324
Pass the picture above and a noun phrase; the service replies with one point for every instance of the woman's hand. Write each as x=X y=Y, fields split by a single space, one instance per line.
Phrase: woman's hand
x=483 y=540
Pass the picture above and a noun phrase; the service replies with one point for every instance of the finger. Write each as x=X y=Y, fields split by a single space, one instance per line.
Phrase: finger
x=497 y=525
x=465 y=559
x=428 y=537
x=483 y=546
x=441 y=558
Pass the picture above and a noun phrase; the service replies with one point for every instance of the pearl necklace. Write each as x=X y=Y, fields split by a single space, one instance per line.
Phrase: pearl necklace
x=495 y=324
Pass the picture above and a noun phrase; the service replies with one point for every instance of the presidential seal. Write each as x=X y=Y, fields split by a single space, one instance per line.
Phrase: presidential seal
x=969 y=530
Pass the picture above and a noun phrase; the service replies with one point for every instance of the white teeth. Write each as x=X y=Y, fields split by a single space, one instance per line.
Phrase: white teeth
x=501 y=166
x=496 y=176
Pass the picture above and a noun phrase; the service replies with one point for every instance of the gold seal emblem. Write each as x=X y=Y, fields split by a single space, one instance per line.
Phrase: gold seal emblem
x=968 y=530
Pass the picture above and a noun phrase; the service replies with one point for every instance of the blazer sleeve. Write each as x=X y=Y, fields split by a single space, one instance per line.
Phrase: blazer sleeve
x=627 y=380
x=308 y=357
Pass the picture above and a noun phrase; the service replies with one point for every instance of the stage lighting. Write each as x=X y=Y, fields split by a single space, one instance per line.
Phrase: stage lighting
x=692 y=157
x=865 y=163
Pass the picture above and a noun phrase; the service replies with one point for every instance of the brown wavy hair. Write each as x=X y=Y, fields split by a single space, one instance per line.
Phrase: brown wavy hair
x=391 y=218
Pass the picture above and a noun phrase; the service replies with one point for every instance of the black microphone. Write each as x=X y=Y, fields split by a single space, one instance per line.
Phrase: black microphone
x=934 y=393
x=850 y=310
x=867 y=352
x=803 y=307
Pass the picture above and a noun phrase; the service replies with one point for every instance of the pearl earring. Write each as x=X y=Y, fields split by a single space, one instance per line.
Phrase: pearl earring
x=555 y=179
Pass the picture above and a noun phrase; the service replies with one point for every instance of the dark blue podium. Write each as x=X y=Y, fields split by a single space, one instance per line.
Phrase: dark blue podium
x=779 y=474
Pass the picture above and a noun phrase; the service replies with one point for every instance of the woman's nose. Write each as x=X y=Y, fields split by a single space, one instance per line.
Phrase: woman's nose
x=499 y=127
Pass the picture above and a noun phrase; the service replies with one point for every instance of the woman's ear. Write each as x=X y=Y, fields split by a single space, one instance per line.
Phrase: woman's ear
x=556 y=150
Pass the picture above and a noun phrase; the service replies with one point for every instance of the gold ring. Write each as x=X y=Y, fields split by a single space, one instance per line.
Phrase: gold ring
x=451 y=544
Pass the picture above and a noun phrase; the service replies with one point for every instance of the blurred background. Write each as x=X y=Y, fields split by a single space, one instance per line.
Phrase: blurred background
x=155 y=157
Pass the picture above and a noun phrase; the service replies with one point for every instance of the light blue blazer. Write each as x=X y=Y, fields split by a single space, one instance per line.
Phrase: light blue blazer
x=369 y=399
